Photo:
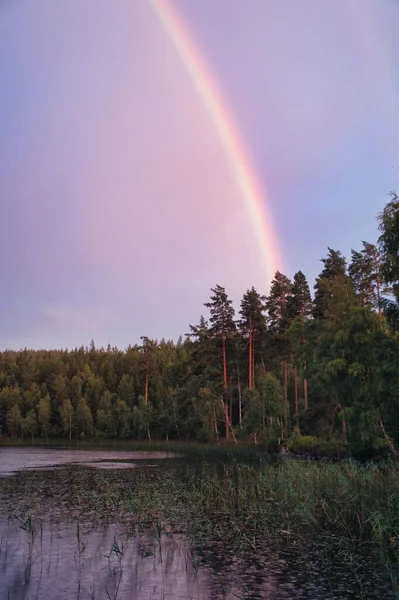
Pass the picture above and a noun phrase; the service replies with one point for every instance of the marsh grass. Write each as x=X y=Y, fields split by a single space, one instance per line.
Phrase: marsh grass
x=348 y=511
x=361 y=501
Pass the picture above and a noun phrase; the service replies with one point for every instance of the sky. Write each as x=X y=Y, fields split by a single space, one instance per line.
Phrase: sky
x=119 y=205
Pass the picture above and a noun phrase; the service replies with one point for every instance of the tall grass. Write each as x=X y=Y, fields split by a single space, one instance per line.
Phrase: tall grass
x=293 y=503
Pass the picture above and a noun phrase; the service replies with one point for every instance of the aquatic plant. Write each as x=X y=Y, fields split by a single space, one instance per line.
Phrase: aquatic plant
x=339 y=508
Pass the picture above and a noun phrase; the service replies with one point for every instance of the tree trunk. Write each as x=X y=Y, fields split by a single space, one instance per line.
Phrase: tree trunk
x=215 y=424
x=343 y=431
x=231 y=399
x=228 y=421
x=146 y=378
x=239 y=396
x=286 y=396
x=305 y=382
x=225 y=385
x=388 y=439
x=305 y=391
x=250 y=354
x=296 y=399
x=253 y=358
x=175 y=419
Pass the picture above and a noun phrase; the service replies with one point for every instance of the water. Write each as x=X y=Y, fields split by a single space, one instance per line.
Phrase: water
x=104 y=562
x=74 y=541
x=13 y=460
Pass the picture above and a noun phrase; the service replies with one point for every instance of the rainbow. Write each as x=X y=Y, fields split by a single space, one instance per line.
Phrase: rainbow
x=228 y=133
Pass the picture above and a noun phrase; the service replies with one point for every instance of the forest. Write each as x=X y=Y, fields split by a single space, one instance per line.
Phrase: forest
x=286 y=368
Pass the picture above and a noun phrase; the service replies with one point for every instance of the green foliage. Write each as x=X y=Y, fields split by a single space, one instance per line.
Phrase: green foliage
x=210 y=412
x=14 y=420
x=67 y=417
x=366 y=273
x=252 y=312
x=338 y=364
x=44 y=415
x=310 y=445
x=29 y=424
x=334 y=267
x=272 y=401
x=253 y=411
x=278 y=302
x=221 y=312
x=301 y=443
x=389 y=247
x=389 y=239
x=84 y=418
x=300 y=301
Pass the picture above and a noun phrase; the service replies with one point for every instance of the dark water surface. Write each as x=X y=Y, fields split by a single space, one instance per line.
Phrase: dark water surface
x=58 y=546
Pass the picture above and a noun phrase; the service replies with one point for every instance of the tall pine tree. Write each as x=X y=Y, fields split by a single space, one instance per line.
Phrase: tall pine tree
x=334 y=266
x=278 y=302
x=365 y=272
x=389 y=246
x=300 y=300
x=223 y=328
x=300 y=309
x=279 y=320
x=252 y=324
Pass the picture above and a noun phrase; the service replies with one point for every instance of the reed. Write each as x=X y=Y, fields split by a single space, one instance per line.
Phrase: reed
x=343 y=506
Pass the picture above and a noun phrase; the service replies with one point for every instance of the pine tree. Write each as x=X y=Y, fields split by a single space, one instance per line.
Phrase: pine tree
x=44 y=414
x=29 y=423
x=279 y=320
x=277 y=303
x=300 y=307
x=14 y=420
x=253 y=323
x=388 y=243
x=389 y=239
x=148 y=349
x=126 y=390
x=222 y=327
x=365 y=272
x=300 y=301
x=350 y=356
x=204 y=354
x=334 y=266
x=67 y=414
x=84 y=418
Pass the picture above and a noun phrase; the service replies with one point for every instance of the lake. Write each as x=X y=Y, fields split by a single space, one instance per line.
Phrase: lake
x=158 y=525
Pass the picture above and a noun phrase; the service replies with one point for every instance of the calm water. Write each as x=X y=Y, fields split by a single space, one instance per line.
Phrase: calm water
x=58 y=555
x=13 y=460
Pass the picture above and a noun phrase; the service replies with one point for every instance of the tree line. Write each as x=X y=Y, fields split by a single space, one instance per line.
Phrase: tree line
x=285 y=364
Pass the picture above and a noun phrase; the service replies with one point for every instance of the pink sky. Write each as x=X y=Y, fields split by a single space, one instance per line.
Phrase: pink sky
x=120 y=207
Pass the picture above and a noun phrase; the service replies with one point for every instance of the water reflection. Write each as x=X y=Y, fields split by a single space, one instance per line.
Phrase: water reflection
x=13 y=460
x=65 y=562
x=69 y=544
x=76 y=560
